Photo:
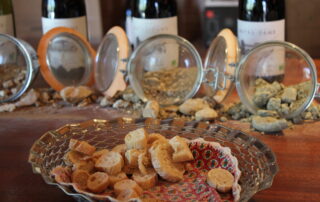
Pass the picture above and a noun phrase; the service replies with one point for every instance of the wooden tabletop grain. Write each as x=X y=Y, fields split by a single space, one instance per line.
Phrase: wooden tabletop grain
x=297 y=150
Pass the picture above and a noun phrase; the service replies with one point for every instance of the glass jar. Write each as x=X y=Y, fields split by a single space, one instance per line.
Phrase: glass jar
x=168 y=69
x=65 y=56
x=300 y=73
x=18 y=67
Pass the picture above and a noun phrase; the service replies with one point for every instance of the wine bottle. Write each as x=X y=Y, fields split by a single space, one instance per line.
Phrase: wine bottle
x=65 y=13
x=153 y=17
x=6 y=18
x=260 y=21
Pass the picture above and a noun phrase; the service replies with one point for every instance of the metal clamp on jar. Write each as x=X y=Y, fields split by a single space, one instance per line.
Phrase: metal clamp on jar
x=168 y=69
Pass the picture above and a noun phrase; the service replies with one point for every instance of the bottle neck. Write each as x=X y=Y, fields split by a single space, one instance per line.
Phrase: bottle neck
x=63 y=8
x=154 y=8
x=261 y=10
x=6 y=7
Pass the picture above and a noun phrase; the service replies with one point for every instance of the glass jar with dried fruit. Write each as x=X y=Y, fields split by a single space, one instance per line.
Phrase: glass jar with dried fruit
x=18 y=67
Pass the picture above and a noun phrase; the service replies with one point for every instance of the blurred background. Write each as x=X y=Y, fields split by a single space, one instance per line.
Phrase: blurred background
x=302 y=21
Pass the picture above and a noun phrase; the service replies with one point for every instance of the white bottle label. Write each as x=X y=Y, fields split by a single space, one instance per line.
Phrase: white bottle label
x=146 y=28
x=79 y=24
x=167 y=55
x=6 y=24
x=251 y=34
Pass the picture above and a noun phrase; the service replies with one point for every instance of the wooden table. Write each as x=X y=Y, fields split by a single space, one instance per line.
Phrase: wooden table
x=297 y=151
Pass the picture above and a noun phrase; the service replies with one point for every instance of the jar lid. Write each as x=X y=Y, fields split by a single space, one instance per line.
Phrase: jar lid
x=18 y=67
x=66 y=58
x=165 y=68
x=219 y=66
x=111 y=61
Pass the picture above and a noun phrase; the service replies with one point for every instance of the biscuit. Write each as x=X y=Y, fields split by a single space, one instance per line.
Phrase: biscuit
x=136 y=139
x=155 y=136
x=80 y=178
x=161 y=158
x=81 y=146
x=131 y=157
x=127 y=184
x=98 y=182
x=111 y=162
x=147 y=180
x=116 y=178
x=143 y=162
x=121 y=149
x=127 y=194
x=181 y=149
x=220 y=179
x=61 y=174
x=98 y=154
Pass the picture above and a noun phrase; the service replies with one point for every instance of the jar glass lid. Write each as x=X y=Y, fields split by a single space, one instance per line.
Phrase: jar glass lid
x=165 y=68
x=66 y=58
x=219 y=66
x=17 y=67
x=111 y=60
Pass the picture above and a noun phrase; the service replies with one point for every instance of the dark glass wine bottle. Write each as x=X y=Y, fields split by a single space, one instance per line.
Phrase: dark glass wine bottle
x=260 y=21
x=152 y=17
x=6 y=18
x=65 y=13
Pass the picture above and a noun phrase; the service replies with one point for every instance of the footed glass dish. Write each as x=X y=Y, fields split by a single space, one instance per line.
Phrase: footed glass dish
x=256 y=160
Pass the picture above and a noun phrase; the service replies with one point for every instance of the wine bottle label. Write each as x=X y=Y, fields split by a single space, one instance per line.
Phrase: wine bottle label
x=6 y=24
x=271 y=61
x=165 y=55
x=79 y=24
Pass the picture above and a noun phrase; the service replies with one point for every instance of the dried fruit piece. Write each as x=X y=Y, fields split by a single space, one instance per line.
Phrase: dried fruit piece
x=151 y=109
x=269 y=124
x=206 y=114
x=191 y=106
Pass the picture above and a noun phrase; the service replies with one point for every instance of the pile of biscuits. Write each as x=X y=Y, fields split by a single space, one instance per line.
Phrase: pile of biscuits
x=128 y=169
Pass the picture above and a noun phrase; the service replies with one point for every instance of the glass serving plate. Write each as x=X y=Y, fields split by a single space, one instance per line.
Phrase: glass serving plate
x=257 y=162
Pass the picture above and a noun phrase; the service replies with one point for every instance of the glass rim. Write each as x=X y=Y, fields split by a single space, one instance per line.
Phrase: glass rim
x=240 y=67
